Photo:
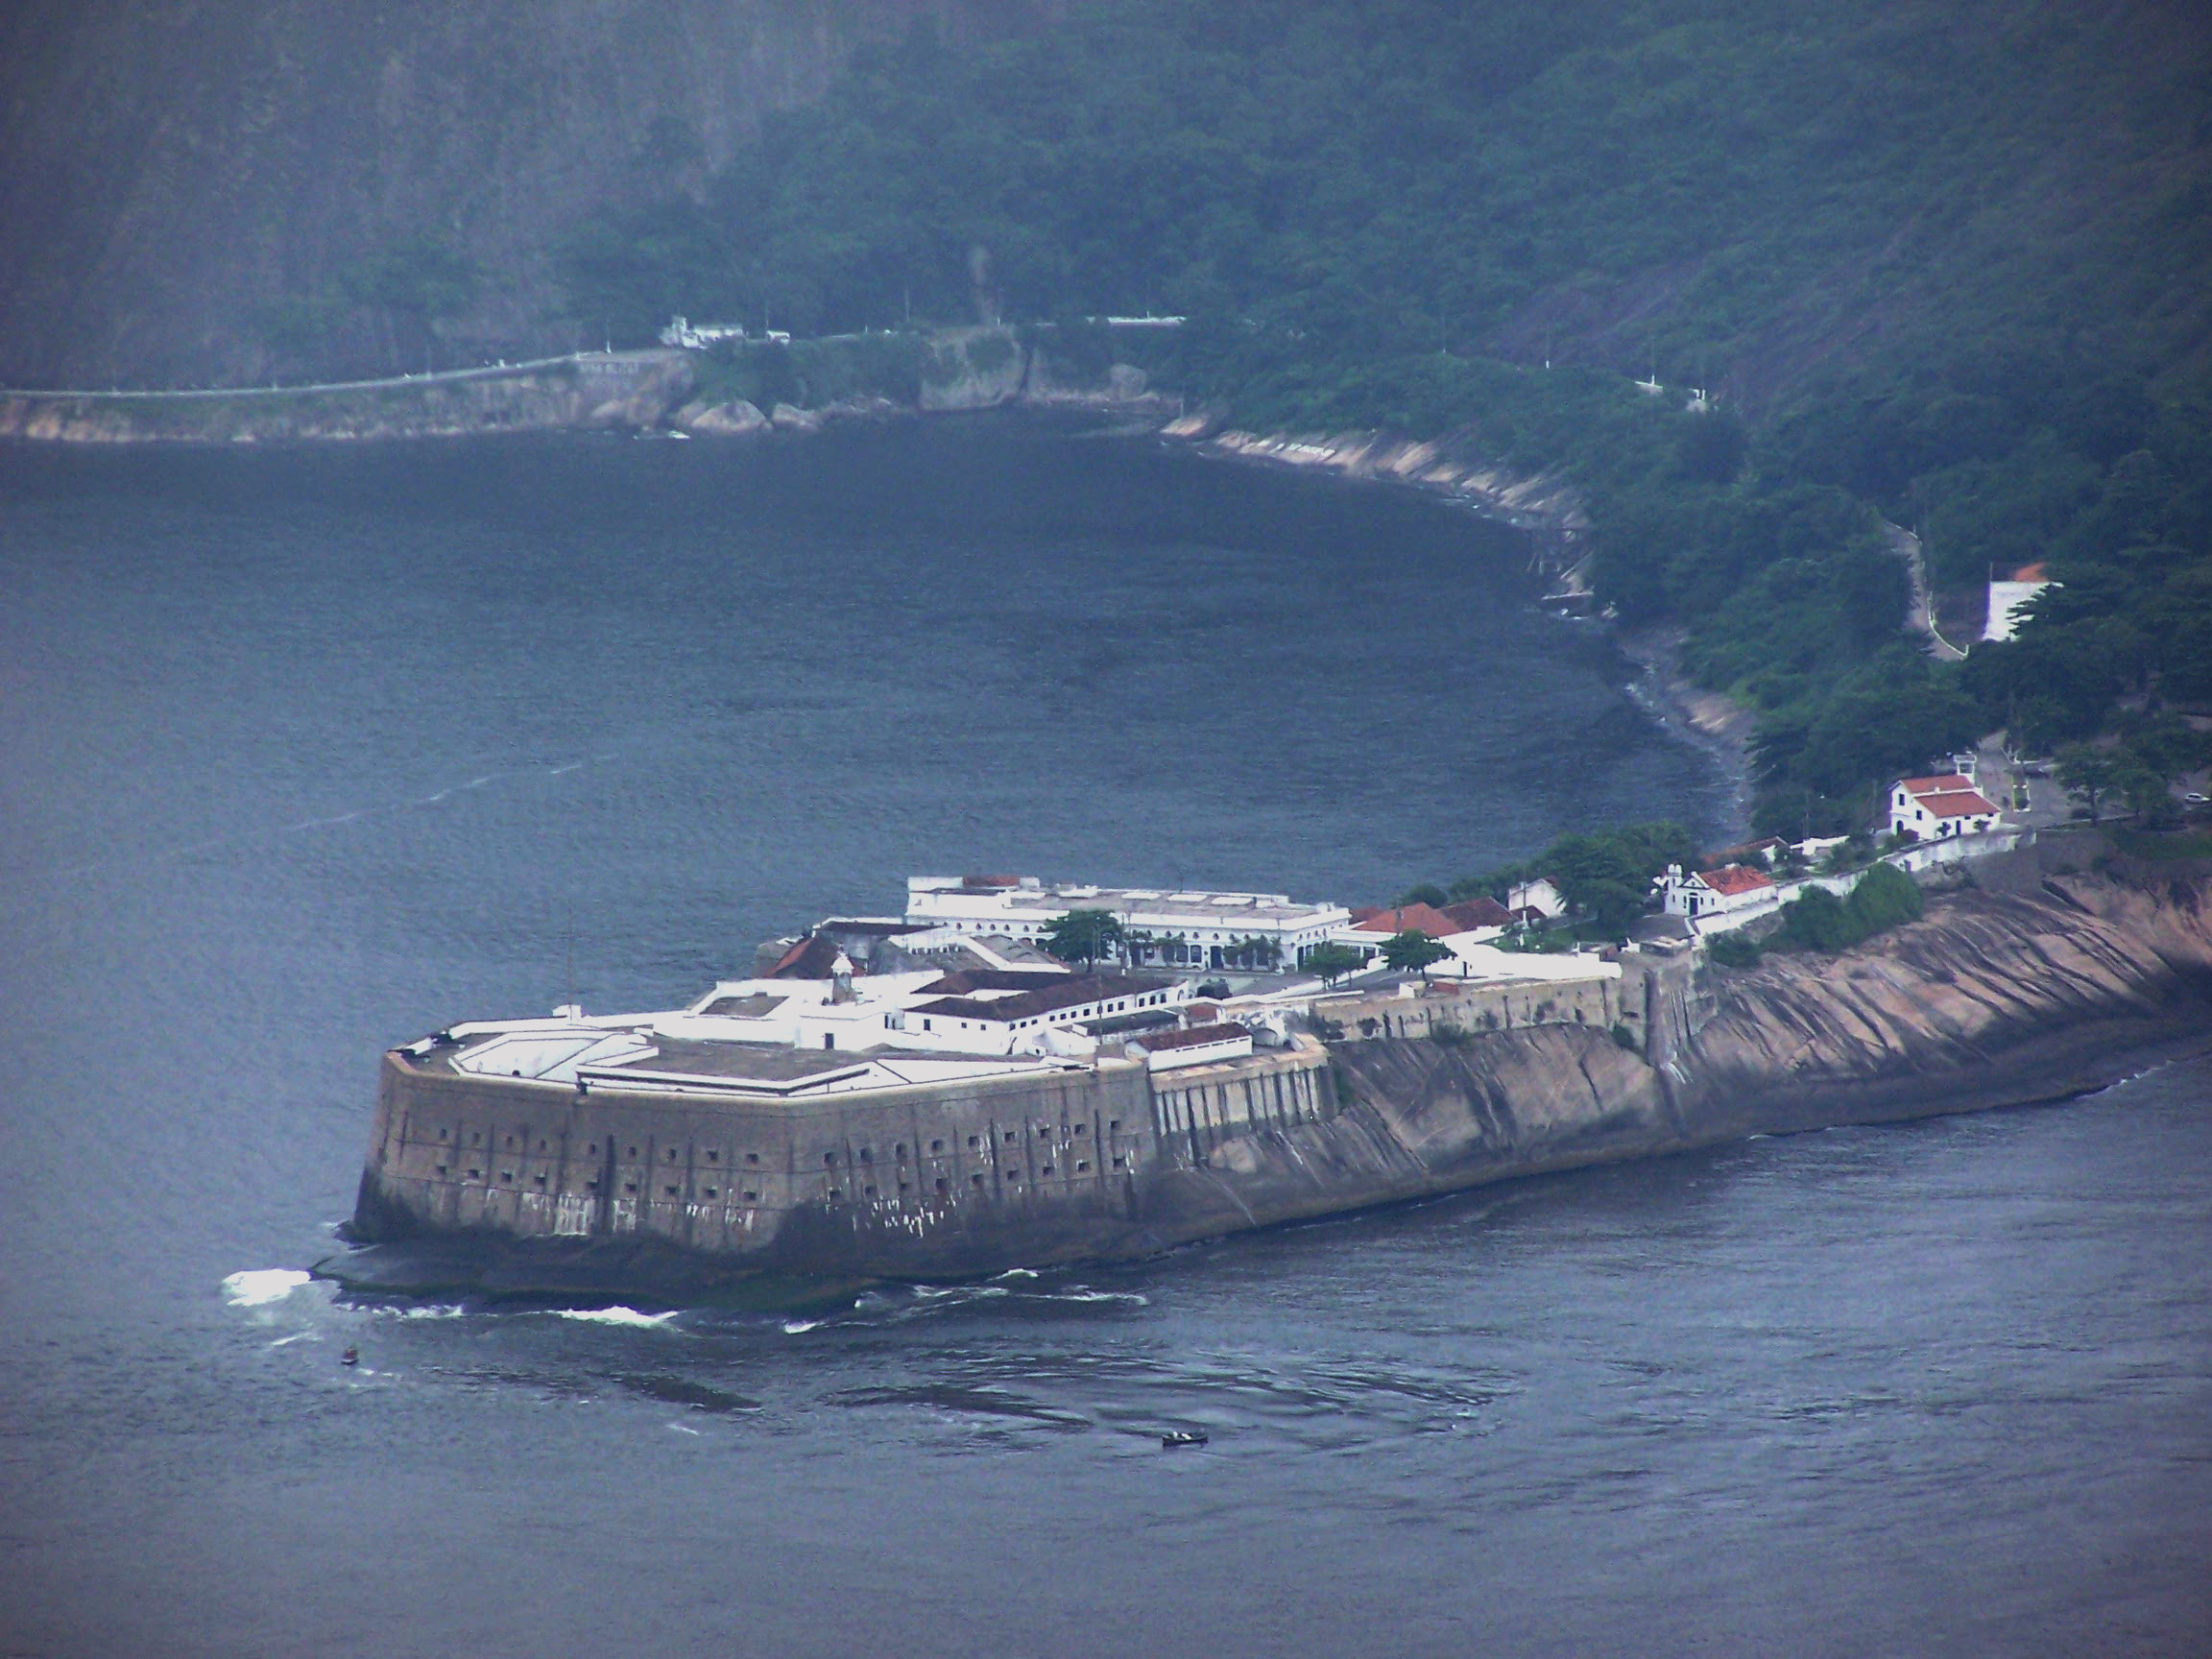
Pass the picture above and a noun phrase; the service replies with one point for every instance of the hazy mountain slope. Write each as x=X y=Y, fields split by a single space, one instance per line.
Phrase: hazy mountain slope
x=168 y=168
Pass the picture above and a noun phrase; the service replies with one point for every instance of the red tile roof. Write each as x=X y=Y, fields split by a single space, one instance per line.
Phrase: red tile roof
x=1482 y=912
x=1958 y=804
x=1736 y=855
x=1942 y=784
x=1731 y=879
x=1410 y=919
x=813 y=957
x=2030 y=572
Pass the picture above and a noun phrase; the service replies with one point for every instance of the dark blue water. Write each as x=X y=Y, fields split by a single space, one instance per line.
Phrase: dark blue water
x=306 y=752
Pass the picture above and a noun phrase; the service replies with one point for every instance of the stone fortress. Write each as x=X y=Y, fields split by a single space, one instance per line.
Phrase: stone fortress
x=928 y=1093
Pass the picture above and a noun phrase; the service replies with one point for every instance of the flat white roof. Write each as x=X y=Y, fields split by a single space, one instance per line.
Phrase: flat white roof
x=1051 y=899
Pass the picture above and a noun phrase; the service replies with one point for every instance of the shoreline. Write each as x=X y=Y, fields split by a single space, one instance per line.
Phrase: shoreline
x=1541 y=506
x=650 y=395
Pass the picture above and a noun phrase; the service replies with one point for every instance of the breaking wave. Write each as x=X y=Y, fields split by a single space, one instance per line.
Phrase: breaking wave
x=615 y=1316
x=259 y=1287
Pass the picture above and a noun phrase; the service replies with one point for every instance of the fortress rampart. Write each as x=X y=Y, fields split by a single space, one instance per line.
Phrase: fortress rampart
x=932 y=1177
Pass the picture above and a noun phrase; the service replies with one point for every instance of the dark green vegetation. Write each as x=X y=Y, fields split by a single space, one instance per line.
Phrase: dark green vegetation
x=1941 y=263
x=1413 y=952
x=409 y=288
x=1331 y=962
x=1605 y=876
x=2152 y=750
x=1818 y=920
x=814 y=372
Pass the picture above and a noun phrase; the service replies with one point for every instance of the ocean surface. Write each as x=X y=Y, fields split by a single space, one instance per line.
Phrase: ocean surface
x=303 y=753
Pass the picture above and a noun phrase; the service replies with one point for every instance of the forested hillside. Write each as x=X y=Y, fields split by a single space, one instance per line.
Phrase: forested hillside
x=1945 y=263
x=199 y=191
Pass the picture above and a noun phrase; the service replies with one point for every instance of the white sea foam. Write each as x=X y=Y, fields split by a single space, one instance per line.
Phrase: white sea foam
x=257 y=1286
x=798 y=1327
x=1129 y=1296
x=1018 y=1273
x=615 y=1316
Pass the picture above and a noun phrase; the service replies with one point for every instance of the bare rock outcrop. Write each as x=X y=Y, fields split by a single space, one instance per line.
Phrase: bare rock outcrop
x=2056 y=984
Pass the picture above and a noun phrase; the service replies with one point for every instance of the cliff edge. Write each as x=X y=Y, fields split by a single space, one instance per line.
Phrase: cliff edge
x=2036 y=984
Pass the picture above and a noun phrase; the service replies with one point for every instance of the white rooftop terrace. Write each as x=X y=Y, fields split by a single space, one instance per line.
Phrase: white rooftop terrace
x=934 y=897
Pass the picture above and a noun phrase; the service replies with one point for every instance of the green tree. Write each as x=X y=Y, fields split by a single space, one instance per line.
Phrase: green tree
x=2091 y=773
x=1083 y=936
x=1333 y=961
x=1413 y=951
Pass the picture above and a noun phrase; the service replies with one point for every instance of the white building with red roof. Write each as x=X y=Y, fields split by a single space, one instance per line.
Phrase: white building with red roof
x=1730 y=888
x=1932 y=808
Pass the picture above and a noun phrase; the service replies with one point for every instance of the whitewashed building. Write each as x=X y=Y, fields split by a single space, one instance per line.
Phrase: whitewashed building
x=1705 y=893
x=689 y=336
x=1539 y=896
x=1931 y=809
x=2009 y=598
x=1175 y=928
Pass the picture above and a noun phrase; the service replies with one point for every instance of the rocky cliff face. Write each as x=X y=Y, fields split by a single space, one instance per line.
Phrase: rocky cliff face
x=2038 y=985
x=159 y=152
x=1994 y=995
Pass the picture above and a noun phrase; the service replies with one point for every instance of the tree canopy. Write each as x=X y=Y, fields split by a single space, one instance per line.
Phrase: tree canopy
x=1413 y=951
x=1331 y=962
x=1083 y=936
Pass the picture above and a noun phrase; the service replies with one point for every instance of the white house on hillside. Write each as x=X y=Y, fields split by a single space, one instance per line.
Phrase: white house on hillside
x=1715 y=892
x=1538 y=895
x=1931 y=809
x=2010 y=593
x=689 y=336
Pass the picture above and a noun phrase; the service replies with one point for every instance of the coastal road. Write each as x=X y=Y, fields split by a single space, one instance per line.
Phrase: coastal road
x=481 y=371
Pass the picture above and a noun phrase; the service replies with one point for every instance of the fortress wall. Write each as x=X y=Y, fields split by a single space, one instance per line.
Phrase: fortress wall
x=1477 y=1007
x=727 y=1176
x=1196 y=1108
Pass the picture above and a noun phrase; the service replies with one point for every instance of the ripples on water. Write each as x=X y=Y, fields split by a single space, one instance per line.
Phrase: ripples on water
x=310 y=753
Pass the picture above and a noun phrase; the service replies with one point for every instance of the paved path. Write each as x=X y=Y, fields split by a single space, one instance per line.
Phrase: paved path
x=1921 y=618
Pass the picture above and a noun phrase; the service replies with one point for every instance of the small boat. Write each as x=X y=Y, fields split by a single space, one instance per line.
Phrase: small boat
x=1183 y=1437
x=351 y=1356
